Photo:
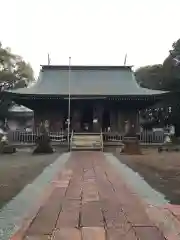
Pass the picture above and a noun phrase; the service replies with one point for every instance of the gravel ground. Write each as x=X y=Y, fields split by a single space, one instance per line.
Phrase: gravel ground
x=18 y=170
x=15 y=211
x=136 y=182
x=160 y=170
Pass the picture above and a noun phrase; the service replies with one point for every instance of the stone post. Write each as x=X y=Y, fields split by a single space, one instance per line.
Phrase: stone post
x=43 y=141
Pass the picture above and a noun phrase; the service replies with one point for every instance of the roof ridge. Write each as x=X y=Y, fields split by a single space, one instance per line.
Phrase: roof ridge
x=87 y=67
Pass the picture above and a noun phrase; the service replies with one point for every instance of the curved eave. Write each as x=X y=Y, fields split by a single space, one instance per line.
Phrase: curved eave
x=20 y=96
x=21 y=114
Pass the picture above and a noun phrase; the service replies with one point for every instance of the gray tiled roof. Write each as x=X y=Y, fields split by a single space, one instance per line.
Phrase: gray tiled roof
x=87 y=80
x=17 y=108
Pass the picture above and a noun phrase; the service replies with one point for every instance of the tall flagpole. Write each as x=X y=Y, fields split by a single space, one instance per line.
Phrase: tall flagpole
x=69 y=101
x=125 y=59
x=49 y=60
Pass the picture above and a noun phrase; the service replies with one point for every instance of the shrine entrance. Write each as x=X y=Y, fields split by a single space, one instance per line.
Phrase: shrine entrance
x=87 y=118
x=106 y=120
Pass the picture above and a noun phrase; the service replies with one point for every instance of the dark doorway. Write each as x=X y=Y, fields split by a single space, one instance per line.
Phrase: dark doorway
x=87 y=118
x=106 y=120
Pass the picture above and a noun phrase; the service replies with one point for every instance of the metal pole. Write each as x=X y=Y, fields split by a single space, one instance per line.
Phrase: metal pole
x=69 y=101
x=49 y=60
x=125 y=59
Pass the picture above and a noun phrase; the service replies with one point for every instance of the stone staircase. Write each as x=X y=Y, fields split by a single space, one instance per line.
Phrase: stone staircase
x=86 y=141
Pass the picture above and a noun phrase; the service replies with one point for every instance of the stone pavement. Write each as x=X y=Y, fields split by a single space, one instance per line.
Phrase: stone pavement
x=88 y=200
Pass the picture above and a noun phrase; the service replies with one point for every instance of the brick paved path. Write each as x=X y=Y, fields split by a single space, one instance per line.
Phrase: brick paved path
x=90 y=201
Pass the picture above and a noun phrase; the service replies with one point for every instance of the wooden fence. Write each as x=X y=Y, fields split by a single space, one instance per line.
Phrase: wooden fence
x=145 y=137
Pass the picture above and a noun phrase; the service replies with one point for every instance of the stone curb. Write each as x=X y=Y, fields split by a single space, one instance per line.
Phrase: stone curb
x=20 y=232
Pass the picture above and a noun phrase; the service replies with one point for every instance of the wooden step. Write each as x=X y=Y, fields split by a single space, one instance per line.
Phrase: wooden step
x=85 y=142
x=86 y=138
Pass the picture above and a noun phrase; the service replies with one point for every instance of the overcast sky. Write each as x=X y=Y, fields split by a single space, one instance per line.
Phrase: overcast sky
x=94 y=32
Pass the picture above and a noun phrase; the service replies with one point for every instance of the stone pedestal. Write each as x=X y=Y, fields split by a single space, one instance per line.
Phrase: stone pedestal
x=43 y=145
x=5 y=147
x=131 y=141
x=131 y=146
x=43 y=142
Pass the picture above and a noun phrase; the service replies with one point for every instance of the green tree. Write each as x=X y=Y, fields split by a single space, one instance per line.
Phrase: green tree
x=13 y=68
x=165 y=76
x=150 y=76
x=14 y=73
x=171 y=66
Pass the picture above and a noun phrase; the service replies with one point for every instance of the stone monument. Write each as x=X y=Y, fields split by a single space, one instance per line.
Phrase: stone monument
x=5 y=147
x=131 y=141
x=43 y=142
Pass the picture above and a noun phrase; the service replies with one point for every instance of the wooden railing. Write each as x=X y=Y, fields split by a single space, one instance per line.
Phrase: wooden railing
x=30 y=137
x=146 y=137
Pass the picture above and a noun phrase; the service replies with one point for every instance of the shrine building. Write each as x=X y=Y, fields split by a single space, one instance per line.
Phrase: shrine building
x=102 y=98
